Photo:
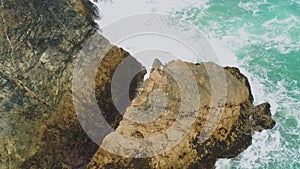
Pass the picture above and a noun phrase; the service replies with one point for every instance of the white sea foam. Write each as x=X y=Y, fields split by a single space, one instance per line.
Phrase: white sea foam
x=252 y=6
x=120 y=8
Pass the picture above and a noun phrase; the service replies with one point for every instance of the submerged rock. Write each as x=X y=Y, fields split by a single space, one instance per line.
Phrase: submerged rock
x=186 y=116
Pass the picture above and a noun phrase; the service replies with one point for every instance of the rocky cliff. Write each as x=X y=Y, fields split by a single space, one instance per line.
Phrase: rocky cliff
x=39 y=41
x=45 y=44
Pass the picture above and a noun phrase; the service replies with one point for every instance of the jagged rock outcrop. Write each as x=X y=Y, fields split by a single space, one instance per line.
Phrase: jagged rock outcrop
x=202 y=126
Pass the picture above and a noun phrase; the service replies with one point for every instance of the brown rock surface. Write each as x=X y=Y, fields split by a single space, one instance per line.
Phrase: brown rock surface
x=165 y=127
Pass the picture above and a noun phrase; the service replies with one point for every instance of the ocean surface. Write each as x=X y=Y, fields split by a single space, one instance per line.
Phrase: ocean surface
x=262 y=38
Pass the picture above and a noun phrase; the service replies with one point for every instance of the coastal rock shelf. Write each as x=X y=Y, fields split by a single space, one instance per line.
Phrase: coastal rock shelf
x=209 y=109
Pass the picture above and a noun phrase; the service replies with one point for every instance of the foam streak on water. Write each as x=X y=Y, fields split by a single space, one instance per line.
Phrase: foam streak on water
x=260 y=37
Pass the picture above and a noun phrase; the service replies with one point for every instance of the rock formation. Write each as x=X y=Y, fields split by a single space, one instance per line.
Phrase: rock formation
x=44 y=45
x=220 y=129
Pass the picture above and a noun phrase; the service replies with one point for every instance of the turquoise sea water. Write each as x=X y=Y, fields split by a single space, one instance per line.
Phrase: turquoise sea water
x=264 y=38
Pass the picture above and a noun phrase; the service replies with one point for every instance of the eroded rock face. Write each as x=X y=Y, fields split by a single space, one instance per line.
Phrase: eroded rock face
x=173 y=125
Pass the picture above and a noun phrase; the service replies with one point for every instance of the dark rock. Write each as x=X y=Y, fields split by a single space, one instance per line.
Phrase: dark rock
x=127 y=73
x=262 y=117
